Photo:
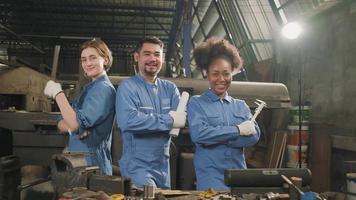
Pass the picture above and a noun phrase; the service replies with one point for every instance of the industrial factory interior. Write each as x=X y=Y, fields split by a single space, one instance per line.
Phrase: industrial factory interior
x=178 y=99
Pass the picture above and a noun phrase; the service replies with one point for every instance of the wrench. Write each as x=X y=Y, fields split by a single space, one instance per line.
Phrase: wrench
x=260 y=105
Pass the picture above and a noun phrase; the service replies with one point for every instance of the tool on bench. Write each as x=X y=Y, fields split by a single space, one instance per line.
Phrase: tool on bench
x=291 y=184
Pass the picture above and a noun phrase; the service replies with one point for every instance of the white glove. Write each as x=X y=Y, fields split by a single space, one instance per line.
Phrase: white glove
x=179 y=118
x=247 y=128
x=52 y=89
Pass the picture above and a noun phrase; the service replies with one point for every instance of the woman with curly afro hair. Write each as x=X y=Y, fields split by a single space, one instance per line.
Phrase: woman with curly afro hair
x=220 y=126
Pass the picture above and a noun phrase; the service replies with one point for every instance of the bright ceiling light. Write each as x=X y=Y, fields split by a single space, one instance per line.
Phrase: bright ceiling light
x=291 y=30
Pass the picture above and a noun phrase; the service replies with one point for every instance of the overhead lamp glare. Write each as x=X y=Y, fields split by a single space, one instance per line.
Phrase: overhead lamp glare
x=291 y=30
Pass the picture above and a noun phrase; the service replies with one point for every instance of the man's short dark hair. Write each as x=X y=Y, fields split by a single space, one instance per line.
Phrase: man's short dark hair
x=152 y=40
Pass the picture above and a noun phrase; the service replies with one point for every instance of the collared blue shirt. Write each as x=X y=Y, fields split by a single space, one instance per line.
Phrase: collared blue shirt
x=95 y=110
x=142 y=115
x=213 y=129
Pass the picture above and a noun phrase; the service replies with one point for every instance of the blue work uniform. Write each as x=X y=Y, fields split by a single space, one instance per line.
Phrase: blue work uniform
x=219 y=146
x=95 y=110
x=142 y=115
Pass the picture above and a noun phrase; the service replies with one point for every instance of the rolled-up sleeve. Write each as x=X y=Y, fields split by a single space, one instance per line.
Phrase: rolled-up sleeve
x=95 y=107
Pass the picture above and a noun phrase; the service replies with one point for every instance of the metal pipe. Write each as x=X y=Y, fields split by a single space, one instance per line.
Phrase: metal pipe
x=57 y=48
x=33 y=183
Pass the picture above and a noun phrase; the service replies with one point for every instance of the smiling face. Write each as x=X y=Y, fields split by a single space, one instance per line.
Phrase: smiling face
x=220 y=76
x=149 y=60
x=92 y=63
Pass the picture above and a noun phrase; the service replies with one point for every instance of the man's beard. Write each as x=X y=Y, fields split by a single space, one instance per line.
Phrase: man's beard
x=151 y=73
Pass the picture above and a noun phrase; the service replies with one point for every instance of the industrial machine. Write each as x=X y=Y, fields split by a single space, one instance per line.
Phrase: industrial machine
x=242 y=181
x=21 y=88
x=70 y=170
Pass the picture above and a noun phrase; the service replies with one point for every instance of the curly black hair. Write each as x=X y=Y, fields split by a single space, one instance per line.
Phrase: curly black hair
x=213 y=48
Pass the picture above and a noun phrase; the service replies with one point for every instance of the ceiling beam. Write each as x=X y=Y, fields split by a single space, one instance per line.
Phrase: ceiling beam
x=26 y=25
x=98 y=33
x=21 y=38
x=26 y=10
x=56 y=20
x=90 y=5
x=162 y=27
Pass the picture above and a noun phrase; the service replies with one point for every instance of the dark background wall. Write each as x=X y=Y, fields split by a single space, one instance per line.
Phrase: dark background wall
x=325 y=55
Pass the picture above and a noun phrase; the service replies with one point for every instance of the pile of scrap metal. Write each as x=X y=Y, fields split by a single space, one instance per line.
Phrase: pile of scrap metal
x=83 y=193
x=70 y=171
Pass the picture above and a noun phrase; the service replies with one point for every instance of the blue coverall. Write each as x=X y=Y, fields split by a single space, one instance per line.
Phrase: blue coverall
x=142 y=115
x=219 y=146
x=95 y=109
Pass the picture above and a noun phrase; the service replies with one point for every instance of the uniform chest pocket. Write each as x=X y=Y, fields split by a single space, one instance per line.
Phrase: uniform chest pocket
x=239 y=118
x=166 y=109
x=166 y=105
x=214 y=120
